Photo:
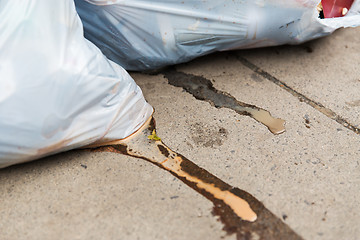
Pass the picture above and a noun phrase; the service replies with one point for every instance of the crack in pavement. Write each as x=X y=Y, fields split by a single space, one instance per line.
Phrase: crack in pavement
x=202 y=89
x=302 y=98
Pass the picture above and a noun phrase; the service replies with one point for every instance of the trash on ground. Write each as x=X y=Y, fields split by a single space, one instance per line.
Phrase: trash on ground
x=57 y=90
x=145 y=35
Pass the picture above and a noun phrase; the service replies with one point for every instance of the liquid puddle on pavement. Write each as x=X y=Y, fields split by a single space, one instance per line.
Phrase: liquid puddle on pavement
x=202 y=89
x=240 y=212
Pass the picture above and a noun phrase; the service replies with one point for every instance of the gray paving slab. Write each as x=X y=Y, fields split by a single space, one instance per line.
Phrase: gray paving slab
x=326 y=70
x=309 y=176
x=304 y=171
x=115 y=197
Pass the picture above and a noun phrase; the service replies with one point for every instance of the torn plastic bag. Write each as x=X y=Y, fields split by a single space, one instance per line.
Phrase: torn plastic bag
x=57 y=90
x=150 y=34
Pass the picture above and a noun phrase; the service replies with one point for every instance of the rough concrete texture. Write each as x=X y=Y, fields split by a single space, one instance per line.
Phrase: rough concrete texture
x=309 y=176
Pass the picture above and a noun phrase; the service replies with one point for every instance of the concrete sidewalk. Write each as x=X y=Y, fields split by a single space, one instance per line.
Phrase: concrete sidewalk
x=308 y=176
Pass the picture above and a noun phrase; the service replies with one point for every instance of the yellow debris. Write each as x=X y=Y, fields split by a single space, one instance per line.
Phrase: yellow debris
x=153 y=136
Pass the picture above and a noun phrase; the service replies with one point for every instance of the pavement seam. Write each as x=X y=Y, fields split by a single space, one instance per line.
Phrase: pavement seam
x=302 y=98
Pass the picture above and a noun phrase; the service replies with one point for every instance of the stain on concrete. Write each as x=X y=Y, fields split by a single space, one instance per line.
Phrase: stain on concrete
x=307 y=121
x=302 y=98
x=256 y=77
x=149 y=86
x=240 y=212
x=353 y=103
x=308 y=49
x=203 y=89
x=163 y=150
x=206 y=135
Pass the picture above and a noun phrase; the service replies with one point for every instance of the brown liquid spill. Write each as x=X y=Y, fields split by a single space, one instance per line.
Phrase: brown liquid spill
x=202 y=89
x=240 y=212
x=237 y=204
x=275 y=125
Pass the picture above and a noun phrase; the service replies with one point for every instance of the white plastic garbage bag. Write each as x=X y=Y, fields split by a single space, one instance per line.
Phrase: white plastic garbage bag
x=149 y=34
x=57 y=90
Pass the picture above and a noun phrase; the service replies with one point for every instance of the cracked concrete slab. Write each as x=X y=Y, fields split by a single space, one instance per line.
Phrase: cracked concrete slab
x=308 y=176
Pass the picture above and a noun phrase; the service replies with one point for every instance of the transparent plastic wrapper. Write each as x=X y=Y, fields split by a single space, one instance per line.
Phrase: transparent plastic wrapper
x=57 y=90
x=150 y=34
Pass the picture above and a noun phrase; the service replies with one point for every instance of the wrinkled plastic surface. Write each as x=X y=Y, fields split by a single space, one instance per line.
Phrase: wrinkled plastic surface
x=57 y=90
x=149 y=34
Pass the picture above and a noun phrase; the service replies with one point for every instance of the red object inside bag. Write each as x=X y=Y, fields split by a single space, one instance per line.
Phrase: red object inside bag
x=336 y=8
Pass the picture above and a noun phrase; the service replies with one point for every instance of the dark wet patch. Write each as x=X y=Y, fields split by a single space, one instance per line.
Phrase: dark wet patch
x=152 y=125
x=203 y=89
x=308 y=49
x=163 y=150
x=200 y=173
x=267 y=225
x=208 y=135
x=307 y=121
x=302 y=98
x=119 y=148
x=256 y=77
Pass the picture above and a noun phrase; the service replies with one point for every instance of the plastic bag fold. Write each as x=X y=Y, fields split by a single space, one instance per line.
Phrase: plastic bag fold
x=150 y=34
x=57 y=90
